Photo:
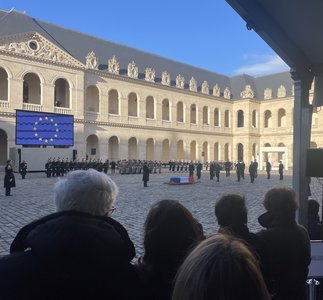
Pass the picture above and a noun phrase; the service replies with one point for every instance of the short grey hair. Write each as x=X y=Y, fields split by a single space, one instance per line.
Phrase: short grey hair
x=87 y=191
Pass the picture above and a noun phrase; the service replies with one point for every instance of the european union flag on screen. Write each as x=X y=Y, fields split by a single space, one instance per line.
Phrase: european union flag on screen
x=35 y=128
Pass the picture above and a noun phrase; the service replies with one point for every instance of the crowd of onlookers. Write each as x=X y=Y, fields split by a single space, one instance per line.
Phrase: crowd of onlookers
x=81 y=252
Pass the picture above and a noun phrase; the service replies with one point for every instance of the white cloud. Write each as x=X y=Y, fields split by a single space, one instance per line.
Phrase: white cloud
x=257 y=65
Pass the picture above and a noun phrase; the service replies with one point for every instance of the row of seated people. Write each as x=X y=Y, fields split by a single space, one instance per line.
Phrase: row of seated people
x=81 y=252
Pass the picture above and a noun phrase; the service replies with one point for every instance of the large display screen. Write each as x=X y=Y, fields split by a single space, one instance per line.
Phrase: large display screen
x=41 y=128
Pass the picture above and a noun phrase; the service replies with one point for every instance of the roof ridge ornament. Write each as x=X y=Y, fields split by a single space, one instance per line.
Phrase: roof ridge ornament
x=268 y=93
x=165 y=78
x=205 y=87
x=113 y=65
x=180 y=81
x=281 y=92
x=193 y=84
x=216 y=90
x=247 y=92
x=150 y=74
x=227 y=93
x=92 y=62
x=133 y=70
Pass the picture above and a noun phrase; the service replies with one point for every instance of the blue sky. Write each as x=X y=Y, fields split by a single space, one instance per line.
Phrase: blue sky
x=207 y=33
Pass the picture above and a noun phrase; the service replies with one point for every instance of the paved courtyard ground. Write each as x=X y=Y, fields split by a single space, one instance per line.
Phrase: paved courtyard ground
x=33 y=198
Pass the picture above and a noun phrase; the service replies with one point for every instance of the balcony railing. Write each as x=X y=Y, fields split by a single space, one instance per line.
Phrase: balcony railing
x=62 y=110
x=32 y=106
x=4 y=104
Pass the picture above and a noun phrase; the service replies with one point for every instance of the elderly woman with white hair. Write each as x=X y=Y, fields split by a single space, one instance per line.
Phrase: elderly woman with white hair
x=79 y=252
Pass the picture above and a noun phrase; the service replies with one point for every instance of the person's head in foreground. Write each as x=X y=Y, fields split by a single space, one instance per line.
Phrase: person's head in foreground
x=231 y=210
x=281 y=206
x=86 y=191
x=170 y=232
x=220 y=268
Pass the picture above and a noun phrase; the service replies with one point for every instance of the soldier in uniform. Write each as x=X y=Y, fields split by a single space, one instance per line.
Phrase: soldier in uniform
x=281 y=170
x=227 y=166
x=23 y=169
x=212 y=170
x=217 y=168
x=252 y=172
x=199 y=170
x=145 y=175
x=268 y=169
x=191 y=169
x=9 y=178
x=255 y=164
x=48 y=168
x=238 y=170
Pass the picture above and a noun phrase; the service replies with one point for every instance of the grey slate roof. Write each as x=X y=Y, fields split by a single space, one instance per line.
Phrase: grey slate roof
x=80 y=44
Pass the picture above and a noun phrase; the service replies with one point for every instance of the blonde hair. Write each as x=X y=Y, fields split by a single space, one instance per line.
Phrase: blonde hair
x=221 y=268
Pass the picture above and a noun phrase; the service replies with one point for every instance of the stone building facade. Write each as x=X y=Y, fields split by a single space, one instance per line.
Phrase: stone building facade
x=128 y=110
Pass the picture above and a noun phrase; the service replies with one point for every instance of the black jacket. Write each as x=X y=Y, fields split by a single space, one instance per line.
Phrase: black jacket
x=285 y=259
x=70 y=255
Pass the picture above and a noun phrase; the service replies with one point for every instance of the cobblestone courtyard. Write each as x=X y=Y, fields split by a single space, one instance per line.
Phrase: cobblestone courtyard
x=33 y=198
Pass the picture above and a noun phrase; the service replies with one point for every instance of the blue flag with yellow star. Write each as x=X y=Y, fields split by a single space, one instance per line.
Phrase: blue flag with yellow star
x=39 y=128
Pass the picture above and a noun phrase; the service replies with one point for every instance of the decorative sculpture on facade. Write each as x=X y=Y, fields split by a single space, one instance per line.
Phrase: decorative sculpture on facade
x=113 y=65
x=205 y=87
x=150 y=74
x=193 y=84
x=247 y=92
x=281 y=92
x=133 y=70
x=268 y=93
x=37 y=47
x=165 y=78
x=216 y=91
x=227 y=93
x=92 y=62
x=180 y=81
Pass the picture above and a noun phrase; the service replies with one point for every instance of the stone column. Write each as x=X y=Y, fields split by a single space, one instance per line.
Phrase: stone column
x=302 y=136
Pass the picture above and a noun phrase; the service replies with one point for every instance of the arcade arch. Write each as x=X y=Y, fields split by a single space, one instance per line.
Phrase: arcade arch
x=267 y=119
x=240 y=118
x=113 y=146
x=31 y=89
x=92 y=146
x=3 y=85
x=62 y=93
x=180 y=153
x=113 y=102
x=92 y=100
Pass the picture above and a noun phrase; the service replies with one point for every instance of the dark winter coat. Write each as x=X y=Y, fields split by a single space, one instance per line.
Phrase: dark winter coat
x=146 y=171
x=70 y=255
x=9 y=178
x=285 y=259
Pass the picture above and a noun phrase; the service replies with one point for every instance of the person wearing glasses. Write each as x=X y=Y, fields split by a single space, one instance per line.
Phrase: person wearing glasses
x=79 y=252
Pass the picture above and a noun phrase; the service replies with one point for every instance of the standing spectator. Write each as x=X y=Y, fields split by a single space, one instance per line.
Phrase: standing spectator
x=145 y=174
x=286 y=254
x=79 y=252
x=315 y=226
x=281 y=170
x=170 y=234
x=231 y=213
x=23 y=169
x=220 y=267
x=9 y=178
x=268 y=169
